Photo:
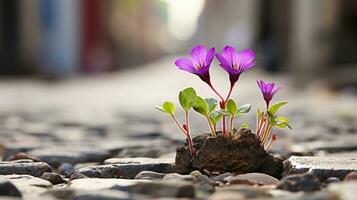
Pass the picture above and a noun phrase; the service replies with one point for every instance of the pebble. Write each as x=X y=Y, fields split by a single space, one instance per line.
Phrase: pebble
x=92 y=184
x=332 y=180
x=156 y=189
x=24 y=167
x=149 y=175
x=301 y=182
x=55 y=156
x=53 y=178
x=66 y=169
x=27 y=185
x=351 y=176
x=344 y=190
x=9 y=189
x=252 y=179
x=128 y=168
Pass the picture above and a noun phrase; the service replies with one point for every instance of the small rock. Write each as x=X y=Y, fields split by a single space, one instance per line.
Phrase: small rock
x=8 y=189
x=246 y=190
x=332 y=180
x=77 y=176
x=53 y=178
x=227 y=196
x=222 y=177
x=301 y=182
x=149 y=175
x=351 y=176
x=344 y=190
x=103 y=195
x=59 y=193
x=66 y=169
x=253 y=179
x=24 y=167
x=163 y=189
x=322 y=167
x=27 y=185
x=128 y=167
x=55 y=156
x=101 y=183
x=22 y=155
x=177 y=177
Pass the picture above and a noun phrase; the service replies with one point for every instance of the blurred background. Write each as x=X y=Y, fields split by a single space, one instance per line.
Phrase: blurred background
x=130 y=44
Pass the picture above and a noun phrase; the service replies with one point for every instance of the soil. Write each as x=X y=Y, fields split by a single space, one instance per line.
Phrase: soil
x=243 y=154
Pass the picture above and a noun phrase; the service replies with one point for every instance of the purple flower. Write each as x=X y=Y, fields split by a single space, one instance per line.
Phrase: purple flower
x=199 y=62
x=268 y=90
x=235 y=63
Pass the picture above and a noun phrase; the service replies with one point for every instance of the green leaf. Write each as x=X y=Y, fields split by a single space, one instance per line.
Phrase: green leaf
x=215 y=117
x=244 y=125
x=201 y=106
x=224 y=113
x=212 y=104
x=244 y=109
x=282 y=122
x=187 y=98
x=231 y=107
x=274 y=108
x=167 y=107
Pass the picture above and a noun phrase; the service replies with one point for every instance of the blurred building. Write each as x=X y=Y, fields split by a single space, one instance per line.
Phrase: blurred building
x=65 y=37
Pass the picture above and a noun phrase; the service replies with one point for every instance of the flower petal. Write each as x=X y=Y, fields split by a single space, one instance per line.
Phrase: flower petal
x=223 y=63
x=209 y=56
x=185 y=64
x=230 y=54
x=245 y=57
x=198 y=54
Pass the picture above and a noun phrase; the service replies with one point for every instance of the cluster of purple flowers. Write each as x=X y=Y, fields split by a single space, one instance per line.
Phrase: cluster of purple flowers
x=234 y=63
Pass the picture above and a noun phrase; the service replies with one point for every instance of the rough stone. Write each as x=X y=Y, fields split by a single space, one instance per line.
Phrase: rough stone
x=53 y=178
x=28 y=185
x=128 y=167
x=55 y=156
x=8 y=189
x=332 y=180
x=322 y=167
x=301 y=182
x=228 y=195
x=103 y=195
x=66 y=169
x=221 y=154
x=100 y=183
x=149 y=175
x=344 y=190
x=24 y=167
x=351 y=176
x=22 y=155
x=164 y=189
x=249 y=192
x=222 y=177
x=253 y=179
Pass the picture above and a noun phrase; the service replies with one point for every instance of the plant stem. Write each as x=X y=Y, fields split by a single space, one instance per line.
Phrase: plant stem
x=224 y=125
x=188 y=134
x=230 y=92
x=213 y=131
x=215 y=91
x=178 y=124
x=231 y=126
